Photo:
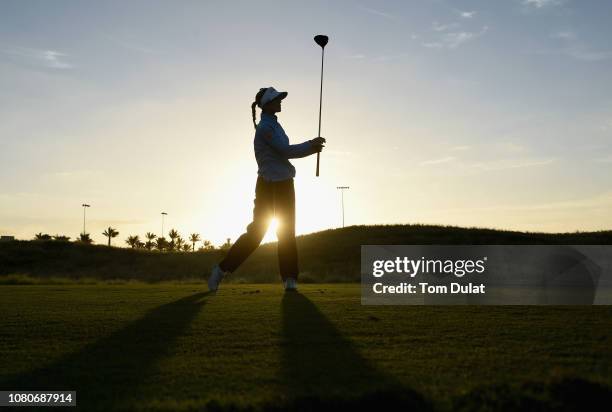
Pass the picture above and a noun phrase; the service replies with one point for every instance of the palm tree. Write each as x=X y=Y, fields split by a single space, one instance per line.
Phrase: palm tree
x=84 y=237
x=61 y=238
x=133 y=241
x=42 y=236
x=161 y=243
x=207 y=245
x=179 y=243
x=193 y=238
x=150 y=237
x=186 y=248
x=172 y=234
x=110 y=233
x=226 y=245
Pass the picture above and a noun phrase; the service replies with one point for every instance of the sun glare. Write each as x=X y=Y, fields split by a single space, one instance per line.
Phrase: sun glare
x=270 y=235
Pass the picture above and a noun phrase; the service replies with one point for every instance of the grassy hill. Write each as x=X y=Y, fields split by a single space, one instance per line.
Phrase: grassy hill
x=328 y=256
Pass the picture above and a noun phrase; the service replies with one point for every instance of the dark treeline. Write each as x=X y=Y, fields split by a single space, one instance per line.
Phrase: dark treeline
x=328 y=256
x=174 y=243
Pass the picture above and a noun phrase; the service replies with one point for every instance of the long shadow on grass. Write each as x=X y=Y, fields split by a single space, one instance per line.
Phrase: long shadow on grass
x=108 y=372
x=323 y=371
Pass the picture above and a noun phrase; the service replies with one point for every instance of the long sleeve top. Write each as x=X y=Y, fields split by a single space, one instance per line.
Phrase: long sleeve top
x=273 y=151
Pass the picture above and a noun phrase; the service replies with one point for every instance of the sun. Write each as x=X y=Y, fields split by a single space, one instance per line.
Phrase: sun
x=270 y=235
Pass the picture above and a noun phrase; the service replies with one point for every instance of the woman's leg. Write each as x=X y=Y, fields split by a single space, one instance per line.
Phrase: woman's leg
x=284 y=207
x=248 y=242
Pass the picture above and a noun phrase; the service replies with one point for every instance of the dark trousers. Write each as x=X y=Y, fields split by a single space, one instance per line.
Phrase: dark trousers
x=271 y=199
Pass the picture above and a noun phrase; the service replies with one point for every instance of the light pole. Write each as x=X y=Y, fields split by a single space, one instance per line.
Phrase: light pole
x=85 y=206
x=163 y=214
x=342 y=192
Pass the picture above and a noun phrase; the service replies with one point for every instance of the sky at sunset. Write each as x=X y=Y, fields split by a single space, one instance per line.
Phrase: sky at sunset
x=471 y=113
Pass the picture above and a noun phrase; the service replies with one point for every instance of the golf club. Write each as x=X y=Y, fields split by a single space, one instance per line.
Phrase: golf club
x=321 y=40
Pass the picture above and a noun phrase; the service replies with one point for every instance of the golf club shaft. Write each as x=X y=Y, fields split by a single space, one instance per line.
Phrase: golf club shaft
x=320 y=105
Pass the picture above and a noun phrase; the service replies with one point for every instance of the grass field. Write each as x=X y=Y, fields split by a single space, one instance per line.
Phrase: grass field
x=175 y=347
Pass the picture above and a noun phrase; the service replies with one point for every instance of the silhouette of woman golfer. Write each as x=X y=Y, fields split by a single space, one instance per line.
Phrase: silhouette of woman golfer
x=274 y=192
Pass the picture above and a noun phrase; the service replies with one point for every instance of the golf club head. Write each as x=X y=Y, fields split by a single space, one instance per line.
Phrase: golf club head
x=321 y=39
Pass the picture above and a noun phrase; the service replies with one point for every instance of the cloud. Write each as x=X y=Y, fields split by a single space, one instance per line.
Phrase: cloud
x=573 y=47
x=443 y=27
x=356 y=56
x=451 y=35
x=601 y=201
x=388 y=16
x=467 y=14
x=387 y=57
x=130 y=44
x=538 y=4
x=586 y=54
x=433 y=45
x=456 y=39
x=503 y=164
x=54 y=59
x=510 y=147
x=48 y=58
x=437 y=161
x=452 y=39
x=606 y=125
x=565 y=35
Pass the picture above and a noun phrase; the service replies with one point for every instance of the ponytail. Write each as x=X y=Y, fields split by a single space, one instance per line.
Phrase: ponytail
x=253 y=109
x=258 y=97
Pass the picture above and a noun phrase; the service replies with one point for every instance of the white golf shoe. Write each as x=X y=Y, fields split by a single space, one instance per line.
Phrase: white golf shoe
x=215 y=277
x=290 y=285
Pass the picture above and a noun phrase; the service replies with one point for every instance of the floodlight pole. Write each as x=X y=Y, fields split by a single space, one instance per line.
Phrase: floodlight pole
x=162 y=215
x=342 y=188
x=85 y=206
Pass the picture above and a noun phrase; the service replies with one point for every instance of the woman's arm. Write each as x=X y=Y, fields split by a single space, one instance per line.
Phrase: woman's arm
x=290 y=151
